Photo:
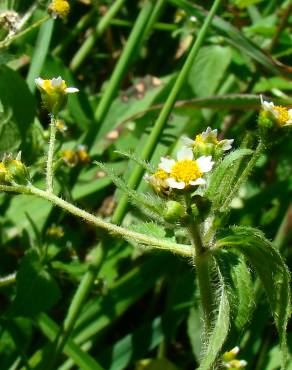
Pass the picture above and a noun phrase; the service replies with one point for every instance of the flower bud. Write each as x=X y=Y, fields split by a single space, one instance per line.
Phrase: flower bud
x=174 y=211
x=16 y=171
x=54 y=93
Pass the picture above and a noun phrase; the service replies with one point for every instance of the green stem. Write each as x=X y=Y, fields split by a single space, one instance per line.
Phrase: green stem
x=201 y=263
x=181 y=249
x=160 y=123
x=160 y=26
x=50 y=168
x=7 y=280
x=5 y=43
x=102 y=25
x=76 y=305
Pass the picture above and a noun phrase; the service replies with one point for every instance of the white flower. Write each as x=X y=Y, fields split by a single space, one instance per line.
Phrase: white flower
x=208 y=137
x=185 y=171
x=282 y=115
x=54 y=85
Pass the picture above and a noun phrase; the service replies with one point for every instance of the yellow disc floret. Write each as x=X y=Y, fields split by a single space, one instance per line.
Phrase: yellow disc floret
x=50 y=88
x=161 y=174
x=59 y=8
x=283 y=114
x=186 y=171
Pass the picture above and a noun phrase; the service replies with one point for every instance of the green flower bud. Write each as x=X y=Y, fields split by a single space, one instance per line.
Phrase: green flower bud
x=16 y=171
x=174 y=211
x=3 y=173
x=54 y=93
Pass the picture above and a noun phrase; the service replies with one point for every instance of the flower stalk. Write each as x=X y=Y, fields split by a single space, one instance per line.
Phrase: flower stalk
x=50 y=167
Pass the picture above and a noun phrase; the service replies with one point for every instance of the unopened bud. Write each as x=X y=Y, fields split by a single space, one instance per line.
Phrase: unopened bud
x=174 y=211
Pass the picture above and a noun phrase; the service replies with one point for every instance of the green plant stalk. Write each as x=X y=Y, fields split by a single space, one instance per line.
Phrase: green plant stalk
x=81 y=24
x=5 y=43
x=40 y=53
x=50 y=167
x=160 y=26
x=102 y=25
x=201 y=263
x=181 y=249
x=134 y=40
x=76 y=305
x=8 y=279
x=165 y=112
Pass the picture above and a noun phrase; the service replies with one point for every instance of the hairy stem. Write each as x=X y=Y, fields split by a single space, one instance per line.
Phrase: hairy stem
x=181 y=249
x=49 y=169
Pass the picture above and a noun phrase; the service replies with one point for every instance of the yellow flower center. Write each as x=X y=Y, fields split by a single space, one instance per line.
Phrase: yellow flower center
x=210 y=139
x=283 y=114
x=161 y=174
x=2 y=168
x=49 y=88
x=186 y=171
x=60 y=7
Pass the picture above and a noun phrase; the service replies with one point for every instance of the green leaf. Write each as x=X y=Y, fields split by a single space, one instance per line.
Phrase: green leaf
x=146 y=165
x=219 y=333
x=238 y=281
x=208 y=69
x=17 y=109
x=223 y=177
x=33 y=285
x=272 y=271
x=148 y=204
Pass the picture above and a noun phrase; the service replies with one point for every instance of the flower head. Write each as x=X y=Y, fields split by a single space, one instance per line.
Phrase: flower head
x=54 y=93
x=183 y=173
x=207 y=143
x=279 y=114
x=230 y=361
x=59 y=8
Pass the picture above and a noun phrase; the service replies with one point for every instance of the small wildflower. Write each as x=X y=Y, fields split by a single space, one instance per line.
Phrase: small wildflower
x=59 y=8
x=207 y=143
x=69 y=157
x=54 y=93
x=230 y=361
x=82 y=154
x=183 y=173
x=279 y=114
x=60 y=124
x=55 y=231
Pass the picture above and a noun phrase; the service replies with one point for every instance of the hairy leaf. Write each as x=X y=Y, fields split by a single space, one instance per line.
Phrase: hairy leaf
x=272 y=271
x=146 y=165
x=219 y=333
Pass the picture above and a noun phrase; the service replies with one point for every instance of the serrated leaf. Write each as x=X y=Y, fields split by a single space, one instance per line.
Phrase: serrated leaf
x=146 y=165
x=150 y=229
x=33 y=284
x=238 y=281
x=223 y=178
x=148 y=204
x=219 y=333
x=272 y=271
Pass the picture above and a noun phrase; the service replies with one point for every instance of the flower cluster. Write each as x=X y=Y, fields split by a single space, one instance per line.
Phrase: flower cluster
x=230 y=361
x=278 y=114
x=59 y=8
x=74 y=157
x=54 y=93
x=193 y=161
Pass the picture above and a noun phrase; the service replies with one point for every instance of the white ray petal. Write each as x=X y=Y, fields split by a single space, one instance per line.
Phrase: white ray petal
x=205 y=163
x=172 y=183
x=199 y=181
x=70 y=90
x=185 y=153
x=166 y=164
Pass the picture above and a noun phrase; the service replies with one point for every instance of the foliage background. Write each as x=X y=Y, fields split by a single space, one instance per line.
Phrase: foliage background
x=143 y=304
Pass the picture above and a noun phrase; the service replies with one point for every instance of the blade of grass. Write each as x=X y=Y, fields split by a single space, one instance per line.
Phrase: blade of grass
x=40 y=53
x=102 y=25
